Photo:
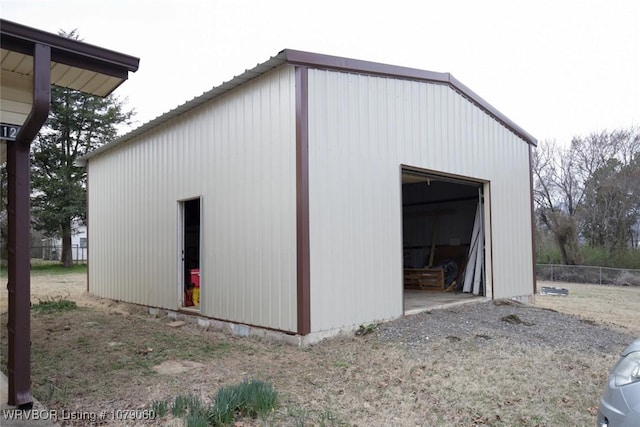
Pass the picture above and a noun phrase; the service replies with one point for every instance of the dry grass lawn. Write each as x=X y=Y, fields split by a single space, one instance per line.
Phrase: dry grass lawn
x=614 y=306
x=104 y=356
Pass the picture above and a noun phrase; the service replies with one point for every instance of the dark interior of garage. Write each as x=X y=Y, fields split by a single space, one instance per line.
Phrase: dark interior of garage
x=439 y=215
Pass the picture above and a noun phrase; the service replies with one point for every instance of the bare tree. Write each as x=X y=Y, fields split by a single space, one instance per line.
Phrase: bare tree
x=610 y=168
x=589 y=189
x=556 y=195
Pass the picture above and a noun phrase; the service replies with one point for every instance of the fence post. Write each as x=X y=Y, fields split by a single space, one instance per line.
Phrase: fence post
x=600 y=268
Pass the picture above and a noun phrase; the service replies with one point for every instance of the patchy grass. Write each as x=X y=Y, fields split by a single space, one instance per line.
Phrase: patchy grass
x=90 y=352
x=96 y=360
x=54 y=305
x=102 y=357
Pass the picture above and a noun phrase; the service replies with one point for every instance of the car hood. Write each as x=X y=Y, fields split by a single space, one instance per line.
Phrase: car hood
x=634 y=346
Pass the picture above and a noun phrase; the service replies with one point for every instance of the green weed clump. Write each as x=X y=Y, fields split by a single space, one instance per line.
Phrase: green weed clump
x=54 y=306
x=160 y=408
x=187 y=404
x=250 y=398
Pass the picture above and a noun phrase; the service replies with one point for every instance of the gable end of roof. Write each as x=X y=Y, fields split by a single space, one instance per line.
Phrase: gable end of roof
x=327 y=62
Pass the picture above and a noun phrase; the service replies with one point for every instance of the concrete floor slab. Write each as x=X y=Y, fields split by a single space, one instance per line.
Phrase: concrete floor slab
x=417 y=301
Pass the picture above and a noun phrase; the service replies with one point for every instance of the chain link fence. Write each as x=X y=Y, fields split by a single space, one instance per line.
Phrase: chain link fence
x=588 y=274
x=53 y=253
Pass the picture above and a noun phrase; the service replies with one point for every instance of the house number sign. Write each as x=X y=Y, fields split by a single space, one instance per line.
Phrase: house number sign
x=9 y=132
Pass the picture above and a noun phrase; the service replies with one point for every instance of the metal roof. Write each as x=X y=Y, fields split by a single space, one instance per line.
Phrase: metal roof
x=320 y=61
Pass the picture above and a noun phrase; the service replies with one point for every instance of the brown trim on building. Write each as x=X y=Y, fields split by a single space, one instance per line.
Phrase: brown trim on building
x=20 y=38
x=19 y=221
x=533 y=222
x=327 y=62
x=315 y=60
x=302 y=201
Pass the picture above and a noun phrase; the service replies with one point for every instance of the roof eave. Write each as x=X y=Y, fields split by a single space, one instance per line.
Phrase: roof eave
x=20 y=38
x=215 y=92
x=315 y=60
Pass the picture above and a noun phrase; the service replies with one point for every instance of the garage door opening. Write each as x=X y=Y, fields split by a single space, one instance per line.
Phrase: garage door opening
x=443 y=240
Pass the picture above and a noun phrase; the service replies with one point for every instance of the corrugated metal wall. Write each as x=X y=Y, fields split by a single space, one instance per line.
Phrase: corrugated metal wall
x=361 y=129
x=217 y=152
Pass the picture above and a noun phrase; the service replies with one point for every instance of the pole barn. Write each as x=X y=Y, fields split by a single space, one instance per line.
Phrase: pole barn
x=312 y=194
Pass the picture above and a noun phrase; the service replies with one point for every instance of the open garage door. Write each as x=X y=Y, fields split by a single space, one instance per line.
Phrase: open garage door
x=443 y=234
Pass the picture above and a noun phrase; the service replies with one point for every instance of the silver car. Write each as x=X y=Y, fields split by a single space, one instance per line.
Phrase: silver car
x=620 y=403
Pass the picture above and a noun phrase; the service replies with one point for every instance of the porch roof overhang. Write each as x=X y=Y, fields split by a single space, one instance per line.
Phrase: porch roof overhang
x=74 y=65
x=31 y=60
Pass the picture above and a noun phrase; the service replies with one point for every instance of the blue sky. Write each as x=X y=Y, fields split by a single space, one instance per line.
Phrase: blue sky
x=557 y=68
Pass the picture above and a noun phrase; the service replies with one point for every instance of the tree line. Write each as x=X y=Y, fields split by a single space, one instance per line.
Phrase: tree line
x=587 y=195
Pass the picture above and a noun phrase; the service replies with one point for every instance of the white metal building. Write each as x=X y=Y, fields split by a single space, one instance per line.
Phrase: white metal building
x=303 y=189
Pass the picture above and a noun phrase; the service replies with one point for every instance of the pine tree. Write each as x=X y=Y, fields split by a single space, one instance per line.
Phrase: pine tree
x=77 y=124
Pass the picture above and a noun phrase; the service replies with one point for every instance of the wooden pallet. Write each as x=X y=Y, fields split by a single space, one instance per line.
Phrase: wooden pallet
x=424 y=278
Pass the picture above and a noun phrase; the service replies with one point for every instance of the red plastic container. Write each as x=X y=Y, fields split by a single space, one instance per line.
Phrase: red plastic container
x=195 y=282
x=195 y=277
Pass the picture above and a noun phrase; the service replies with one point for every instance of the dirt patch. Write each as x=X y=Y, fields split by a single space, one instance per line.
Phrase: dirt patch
x=462 y=366
x=72 y=286
x=172 y=367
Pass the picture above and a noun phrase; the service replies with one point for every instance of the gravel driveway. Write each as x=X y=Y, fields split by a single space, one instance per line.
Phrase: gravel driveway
x=519 y=323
